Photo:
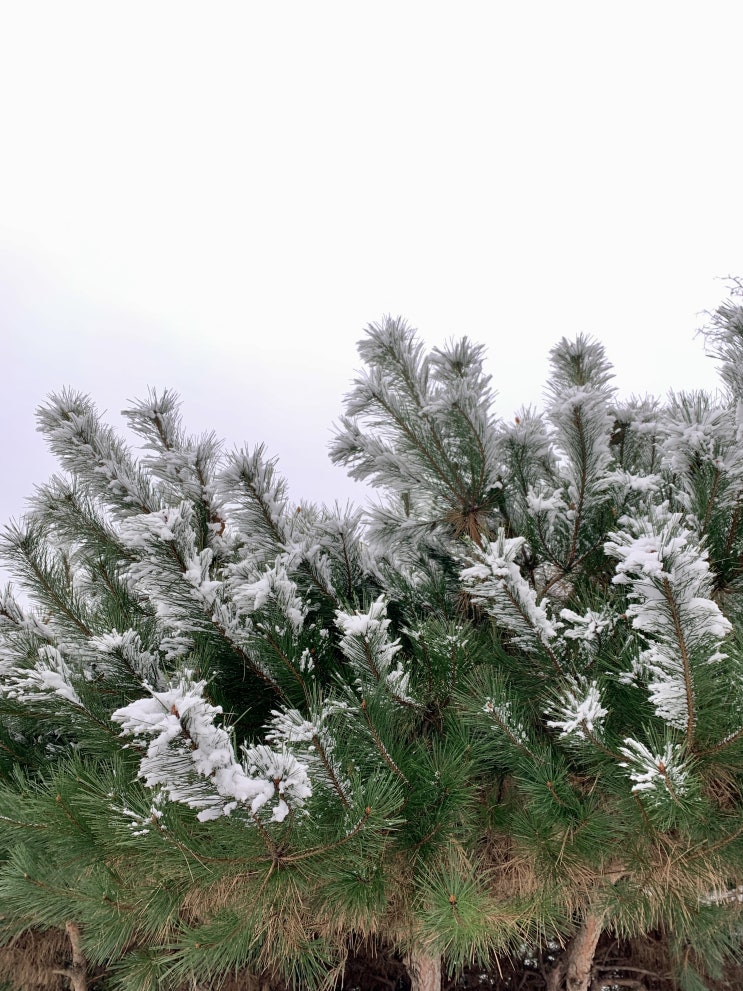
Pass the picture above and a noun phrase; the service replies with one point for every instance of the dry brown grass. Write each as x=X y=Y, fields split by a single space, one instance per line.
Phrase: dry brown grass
x=29 y=961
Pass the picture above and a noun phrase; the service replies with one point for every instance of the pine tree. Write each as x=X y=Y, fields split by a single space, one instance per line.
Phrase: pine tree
x=496 y=708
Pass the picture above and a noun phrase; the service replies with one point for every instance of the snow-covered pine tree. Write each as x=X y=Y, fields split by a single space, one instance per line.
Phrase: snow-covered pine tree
x=500 y=706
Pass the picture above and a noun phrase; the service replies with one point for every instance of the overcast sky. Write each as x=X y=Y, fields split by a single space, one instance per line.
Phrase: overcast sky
x=217 y=197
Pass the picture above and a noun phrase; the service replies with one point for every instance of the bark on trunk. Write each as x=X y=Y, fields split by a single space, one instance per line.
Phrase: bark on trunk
x=424 y=970
x=77 y=973
x=580 y=954
x=554 y=977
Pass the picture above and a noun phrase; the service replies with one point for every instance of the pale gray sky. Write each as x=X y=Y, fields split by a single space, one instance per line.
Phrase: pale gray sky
x=218 y=197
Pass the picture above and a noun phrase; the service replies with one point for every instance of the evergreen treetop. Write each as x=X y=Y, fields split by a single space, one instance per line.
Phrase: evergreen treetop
x=498 y=707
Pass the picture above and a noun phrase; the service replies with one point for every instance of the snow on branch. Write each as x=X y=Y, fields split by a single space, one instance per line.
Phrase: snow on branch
x=583 y=424
x=508 y=723
x=394 y=348
x=21 y=634
x=496 y=581
x=589 y=627
x=462 y=397
x=656 y=775
x=256 y=494
x=50 y=675
x=419 y=425
x=11 y=614
x=373 y=459
x=157 y=419
x=251 y=592
x=187 y=465
x=312 y=737
x=583 y=431
x=126 y=648
x=697 y=431
x=367 y=645
x=724 y=339
x=192 y=759
x=578 y=710
x=91 y=452
x=168 y=566
x=145 y=532
x=669 y=584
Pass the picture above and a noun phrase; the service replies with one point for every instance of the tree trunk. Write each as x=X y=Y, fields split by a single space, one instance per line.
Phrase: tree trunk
x=77 y=973
x=424 y=970
x=580 y=954
x=553 y=978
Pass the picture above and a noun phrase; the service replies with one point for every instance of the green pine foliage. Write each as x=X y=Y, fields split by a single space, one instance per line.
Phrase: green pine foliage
x=240 y=733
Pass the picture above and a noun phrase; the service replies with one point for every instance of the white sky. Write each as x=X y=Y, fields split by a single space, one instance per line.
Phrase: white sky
x=219 y=196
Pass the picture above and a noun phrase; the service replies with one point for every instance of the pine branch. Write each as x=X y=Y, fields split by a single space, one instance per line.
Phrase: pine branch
x=685 y=661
